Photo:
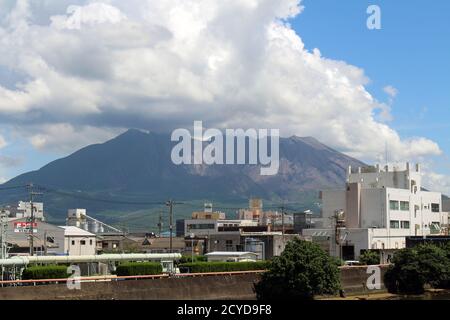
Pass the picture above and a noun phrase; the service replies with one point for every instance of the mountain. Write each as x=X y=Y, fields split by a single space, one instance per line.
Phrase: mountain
x=136 y=167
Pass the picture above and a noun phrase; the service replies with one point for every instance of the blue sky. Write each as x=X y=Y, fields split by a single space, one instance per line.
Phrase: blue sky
x=411 y=53
x=52 y=104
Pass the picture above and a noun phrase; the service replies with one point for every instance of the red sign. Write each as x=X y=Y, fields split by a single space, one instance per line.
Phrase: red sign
x=22 y=227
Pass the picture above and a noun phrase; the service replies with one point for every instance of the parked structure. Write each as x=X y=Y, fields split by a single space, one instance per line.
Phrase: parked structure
x=231 y=256
x=378 y=209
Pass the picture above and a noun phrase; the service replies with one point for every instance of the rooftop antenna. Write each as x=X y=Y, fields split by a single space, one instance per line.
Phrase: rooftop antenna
x=386 y=153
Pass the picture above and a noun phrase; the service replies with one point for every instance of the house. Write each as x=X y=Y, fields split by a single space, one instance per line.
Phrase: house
x=78 y=242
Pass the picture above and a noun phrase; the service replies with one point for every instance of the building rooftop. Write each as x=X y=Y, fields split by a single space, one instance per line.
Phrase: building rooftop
x=229 y=254
x=74 y=231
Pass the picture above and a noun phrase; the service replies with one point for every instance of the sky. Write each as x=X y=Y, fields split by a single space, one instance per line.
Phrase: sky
x=76 y=72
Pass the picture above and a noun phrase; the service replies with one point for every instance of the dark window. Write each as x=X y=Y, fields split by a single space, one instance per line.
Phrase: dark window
x=394 y=205
x=404 y=205
x=73 y=242
x=395 y=224
x=435 y=207
x=90 y=242
x=82 y=242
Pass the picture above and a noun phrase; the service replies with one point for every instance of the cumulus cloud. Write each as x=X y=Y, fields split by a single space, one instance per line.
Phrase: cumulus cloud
x=88 y=69
x=64 y=137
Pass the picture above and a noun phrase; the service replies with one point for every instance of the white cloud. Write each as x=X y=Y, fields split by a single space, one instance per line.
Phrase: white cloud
x=390 y=91
x=436 y=182
x=160 y=65
x=64 y=137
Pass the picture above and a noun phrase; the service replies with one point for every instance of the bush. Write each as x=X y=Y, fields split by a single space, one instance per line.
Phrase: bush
x=370 y=257
x=188 y=259
x=45 y=272
x=202 y=267
x=138 y=269
x=413 y=268
x=302 y=271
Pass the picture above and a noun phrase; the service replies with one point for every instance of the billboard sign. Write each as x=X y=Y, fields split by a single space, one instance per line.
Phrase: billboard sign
x=24 y=227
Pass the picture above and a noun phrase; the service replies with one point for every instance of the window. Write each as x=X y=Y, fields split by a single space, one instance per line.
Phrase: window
x=404 y=205
x=73 y=242
x=90 y=242
x=229 y=245
x=82 y=242
x=435 y=207
x=51 y=239
x=200 y=226
x=405 y=224
x=395 y=224
x=393 y=204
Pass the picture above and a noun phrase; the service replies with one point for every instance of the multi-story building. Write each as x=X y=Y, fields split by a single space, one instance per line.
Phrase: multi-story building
x=378 y=209
x=23 y=210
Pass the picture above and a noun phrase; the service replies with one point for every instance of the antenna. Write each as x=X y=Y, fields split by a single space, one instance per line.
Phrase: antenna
x=386 y=152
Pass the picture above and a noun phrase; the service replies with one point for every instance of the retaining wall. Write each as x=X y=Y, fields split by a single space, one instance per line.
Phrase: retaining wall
x=216 y=287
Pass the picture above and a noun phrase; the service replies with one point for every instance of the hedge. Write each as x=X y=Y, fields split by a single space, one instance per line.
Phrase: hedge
x=138 y=269
x=202 y=267
x=188 y=259
x=45 y=272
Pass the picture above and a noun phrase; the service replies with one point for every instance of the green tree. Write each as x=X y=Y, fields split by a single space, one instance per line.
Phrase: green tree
x=302 y=271
x=405 y=274
x=413 y=268
x=370 y=257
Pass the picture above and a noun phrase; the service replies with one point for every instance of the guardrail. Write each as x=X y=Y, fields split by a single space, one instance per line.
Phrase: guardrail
x=115 y=278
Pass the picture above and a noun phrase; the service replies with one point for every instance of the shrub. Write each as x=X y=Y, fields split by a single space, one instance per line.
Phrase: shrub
x=138 y=269
x=302 y=271
x=370 y=257
x=202 y=267
x=45 y=272
x=188 y=259
x=413 y=268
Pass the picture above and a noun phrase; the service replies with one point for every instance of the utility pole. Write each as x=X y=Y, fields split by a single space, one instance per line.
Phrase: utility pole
x=160 y=224
x=3 y=234
x=170 y=204
x=32 y=219
x=282 y=220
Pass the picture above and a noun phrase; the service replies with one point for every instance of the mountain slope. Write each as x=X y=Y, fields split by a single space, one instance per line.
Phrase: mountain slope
x=136 y=166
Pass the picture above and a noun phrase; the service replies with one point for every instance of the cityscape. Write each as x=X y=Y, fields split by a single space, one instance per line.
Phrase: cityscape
x=207 y=158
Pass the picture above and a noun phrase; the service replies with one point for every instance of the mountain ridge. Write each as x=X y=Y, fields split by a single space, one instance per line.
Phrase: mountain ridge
x=137 y=165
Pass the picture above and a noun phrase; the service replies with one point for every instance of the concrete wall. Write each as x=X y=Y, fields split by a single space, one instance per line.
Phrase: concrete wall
x=239 y=287
x=354 y=279
x=198 y=288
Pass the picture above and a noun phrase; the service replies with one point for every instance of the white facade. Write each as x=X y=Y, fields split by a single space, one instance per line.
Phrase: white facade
x=381 y=208
x=78 y=242
x=205 y=227
x=228 y=256
x=24 y=210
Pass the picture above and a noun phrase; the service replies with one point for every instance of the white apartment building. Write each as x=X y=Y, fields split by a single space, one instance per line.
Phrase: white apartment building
x=23 y=210
x=206 y=227
x=379 y=209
